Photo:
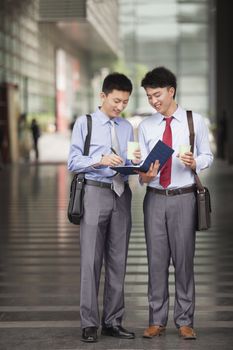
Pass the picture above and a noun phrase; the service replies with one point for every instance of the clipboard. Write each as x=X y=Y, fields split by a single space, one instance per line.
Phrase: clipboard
x=160 y=152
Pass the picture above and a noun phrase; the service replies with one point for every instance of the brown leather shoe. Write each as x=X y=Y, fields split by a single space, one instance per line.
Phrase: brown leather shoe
x=187 y=333
x=153 y=331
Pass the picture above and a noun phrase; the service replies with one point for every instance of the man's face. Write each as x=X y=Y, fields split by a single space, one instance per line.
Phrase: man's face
x=161 y=99
x=114 y=103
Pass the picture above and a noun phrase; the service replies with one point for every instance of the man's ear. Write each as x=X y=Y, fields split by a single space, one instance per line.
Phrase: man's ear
x=171 y=91
x=102 y=95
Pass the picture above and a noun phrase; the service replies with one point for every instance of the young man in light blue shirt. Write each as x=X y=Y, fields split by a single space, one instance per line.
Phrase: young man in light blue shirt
x=106 y=224
x=170 y=203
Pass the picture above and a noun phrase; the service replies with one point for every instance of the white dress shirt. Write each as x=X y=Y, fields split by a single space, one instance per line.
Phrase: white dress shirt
x=151 y=130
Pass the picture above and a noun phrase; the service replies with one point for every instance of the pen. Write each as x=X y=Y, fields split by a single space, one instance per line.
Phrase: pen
x=113 y=151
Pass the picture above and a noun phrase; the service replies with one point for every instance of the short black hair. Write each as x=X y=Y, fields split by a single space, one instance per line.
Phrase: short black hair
x=116 y=81
x=159 y=77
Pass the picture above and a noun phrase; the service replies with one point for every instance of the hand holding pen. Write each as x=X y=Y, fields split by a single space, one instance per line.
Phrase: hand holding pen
x=112 y=159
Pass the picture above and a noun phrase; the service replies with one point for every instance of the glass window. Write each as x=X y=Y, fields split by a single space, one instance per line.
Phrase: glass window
x=193 y=84
x=172 y=33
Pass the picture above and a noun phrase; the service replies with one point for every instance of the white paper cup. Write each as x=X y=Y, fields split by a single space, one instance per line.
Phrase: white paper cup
x=183 y=149
x=131 y=148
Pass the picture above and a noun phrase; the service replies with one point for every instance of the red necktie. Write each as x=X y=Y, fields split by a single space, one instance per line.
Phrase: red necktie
x=165 y=173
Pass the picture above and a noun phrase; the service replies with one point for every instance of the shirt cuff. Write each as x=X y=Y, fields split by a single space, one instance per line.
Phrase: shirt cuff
x=198 y=166
x=96 y=162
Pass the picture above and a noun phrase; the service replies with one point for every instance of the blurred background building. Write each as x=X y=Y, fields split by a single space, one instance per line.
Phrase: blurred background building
x=54 y=55
x=176 y=34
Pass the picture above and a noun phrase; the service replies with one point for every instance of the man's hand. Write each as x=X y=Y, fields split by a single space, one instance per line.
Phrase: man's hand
x=188 y=160
x=137 y=156
x=111 y=160
x=151 y=173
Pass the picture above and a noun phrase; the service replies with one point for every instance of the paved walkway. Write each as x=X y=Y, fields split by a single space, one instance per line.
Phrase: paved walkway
x=39 y=267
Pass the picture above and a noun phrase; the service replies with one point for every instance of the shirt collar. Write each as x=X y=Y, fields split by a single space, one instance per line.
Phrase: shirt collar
x=104 y=118
x=178 y=115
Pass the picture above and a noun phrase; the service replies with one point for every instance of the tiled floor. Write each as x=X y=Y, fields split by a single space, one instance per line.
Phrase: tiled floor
x=39 y=267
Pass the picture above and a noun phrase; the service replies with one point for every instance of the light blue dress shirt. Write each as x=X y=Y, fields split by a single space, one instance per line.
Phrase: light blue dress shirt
x=151 y=130
x=100 y=144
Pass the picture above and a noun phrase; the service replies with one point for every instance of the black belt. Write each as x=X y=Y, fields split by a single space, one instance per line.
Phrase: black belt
x=101 y=184
x=173 y=192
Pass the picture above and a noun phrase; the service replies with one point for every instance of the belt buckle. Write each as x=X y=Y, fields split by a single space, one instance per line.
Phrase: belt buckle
x=169 y=192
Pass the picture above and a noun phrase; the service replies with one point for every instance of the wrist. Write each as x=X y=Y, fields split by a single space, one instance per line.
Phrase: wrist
x=100 y=162
x=102 y=159
x=193 y=165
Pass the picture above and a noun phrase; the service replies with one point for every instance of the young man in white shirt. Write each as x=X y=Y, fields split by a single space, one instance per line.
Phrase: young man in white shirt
x=170 y=203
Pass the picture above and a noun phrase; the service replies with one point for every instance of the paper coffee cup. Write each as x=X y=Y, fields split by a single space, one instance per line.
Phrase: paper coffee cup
x=184 y=148
x=131 y=148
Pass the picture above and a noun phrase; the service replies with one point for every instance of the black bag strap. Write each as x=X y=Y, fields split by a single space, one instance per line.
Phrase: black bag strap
x=81 y=176
x=200 y=187
x=88 y=137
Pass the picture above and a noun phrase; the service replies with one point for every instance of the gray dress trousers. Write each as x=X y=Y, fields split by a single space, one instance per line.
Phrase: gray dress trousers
x=170 y=233
x=104 y=235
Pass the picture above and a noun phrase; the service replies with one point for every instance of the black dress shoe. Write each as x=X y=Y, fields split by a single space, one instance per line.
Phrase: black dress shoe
x=118 y=332
x=89 y=335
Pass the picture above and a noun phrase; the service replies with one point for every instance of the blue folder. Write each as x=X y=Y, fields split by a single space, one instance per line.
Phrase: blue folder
x=160 y=152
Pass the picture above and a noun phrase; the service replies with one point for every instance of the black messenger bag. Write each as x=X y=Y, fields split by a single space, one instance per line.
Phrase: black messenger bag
x=75 y=207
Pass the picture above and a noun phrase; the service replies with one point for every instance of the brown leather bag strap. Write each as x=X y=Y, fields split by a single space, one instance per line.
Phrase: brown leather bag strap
x=191 y=129
x=191 y=140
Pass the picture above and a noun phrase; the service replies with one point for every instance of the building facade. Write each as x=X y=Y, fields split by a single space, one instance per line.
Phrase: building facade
x=175 y=34
x=52 y=55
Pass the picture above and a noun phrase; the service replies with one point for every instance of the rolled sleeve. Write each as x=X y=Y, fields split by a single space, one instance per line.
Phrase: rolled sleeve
x=204 y=156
